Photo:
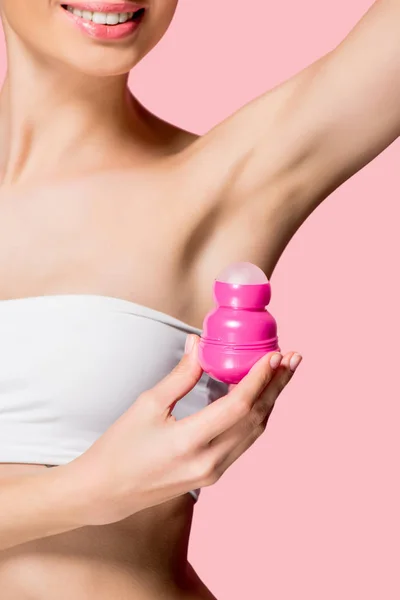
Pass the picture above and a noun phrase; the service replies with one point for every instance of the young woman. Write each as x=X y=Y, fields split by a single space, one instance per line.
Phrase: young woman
x=113 y=225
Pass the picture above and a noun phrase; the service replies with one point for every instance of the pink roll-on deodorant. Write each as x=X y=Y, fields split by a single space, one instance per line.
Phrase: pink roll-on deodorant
x=240 y=330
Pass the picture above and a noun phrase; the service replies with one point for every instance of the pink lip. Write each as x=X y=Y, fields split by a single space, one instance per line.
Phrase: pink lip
x=104 y=32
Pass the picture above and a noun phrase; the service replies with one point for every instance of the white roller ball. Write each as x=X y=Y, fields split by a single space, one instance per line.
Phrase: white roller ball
x=242 y=273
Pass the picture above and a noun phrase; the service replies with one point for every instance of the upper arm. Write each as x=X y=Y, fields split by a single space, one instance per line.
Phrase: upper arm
x=349 y=111
x=312 y=132
x=272 y=162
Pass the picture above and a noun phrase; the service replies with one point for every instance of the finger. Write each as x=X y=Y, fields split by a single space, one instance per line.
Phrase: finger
x=260 y=413
x=181 y=379
x=239 y=449
x=230 y=446
x=294 y=361
x=222 y=414
x=263 y=407
x=215 y=466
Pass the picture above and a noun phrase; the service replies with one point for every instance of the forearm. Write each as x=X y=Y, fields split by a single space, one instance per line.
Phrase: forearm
x=38 y=506
x=315 y=130
x=348 y=111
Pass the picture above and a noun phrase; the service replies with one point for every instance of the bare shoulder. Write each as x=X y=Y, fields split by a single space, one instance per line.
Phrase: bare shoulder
x=196 y=179
x=249 y=218
x=206 y=220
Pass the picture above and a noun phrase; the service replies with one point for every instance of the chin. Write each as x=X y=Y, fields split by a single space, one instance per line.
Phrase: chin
x=103 y=63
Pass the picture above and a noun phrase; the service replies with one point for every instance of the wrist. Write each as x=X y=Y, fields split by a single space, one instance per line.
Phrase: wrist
x=74 y=494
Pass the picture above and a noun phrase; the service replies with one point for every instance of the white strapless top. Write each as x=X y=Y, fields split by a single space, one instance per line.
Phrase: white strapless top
x=70 y=365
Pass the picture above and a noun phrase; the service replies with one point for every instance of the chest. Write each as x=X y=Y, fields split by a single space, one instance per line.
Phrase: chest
x=111 y=235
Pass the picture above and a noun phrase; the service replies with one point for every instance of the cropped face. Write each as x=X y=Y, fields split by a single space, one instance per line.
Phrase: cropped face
x=98 y=38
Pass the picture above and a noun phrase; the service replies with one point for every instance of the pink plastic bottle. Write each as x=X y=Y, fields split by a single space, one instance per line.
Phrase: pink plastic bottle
x=240 y=330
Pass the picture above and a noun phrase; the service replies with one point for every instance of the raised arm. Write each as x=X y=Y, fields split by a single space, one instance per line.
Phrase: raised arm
x=304 y=138
x=336 y=115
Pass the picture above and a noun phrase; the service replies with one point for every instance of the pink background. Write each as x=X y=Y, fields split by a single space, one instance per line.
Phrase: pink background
x=311 y=512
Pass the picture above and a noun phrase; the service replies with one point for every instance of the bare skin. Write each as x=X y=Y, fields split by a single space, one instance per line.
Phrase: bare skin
x=163 y=209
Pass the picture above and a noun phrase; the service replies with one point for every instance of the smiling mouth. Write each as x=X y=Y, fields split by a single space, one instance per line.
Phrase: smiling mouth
x=105 y=18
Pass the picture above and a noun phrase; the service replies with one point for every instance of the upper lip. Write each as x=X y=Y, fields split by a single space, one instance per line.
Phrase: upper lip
x=108 y=5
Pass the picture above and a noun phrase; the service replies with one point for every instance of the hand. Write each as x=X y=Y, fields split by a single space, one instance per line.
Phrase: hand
x=148 y=457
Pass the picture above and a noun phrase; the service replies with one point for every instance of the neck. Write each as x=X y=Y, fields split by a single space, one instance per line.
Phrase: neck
x=50 y=116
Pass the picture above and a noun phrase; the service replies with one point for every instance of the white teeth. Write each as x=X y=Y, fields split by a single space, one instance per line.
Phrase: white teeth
x=112 y=19
x=101 y=18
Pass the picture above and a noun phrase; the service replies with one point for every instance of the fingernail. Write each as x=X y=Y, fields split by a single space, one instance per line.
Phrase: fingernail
x=189 y=344
x=295 y=361
x=275 y=361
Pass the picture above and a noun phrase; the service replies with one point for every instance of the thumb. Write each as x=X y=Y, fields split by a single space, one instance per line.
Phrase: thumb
x=182 y=378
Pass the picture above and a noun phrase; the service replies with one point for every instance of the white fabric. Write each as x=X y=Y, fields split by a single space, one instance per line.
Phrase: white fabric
x=70 y=365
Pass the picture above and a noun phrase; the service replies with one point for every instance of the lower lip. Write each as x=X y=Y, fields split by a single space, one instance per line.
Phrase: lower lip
x=103 y=32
